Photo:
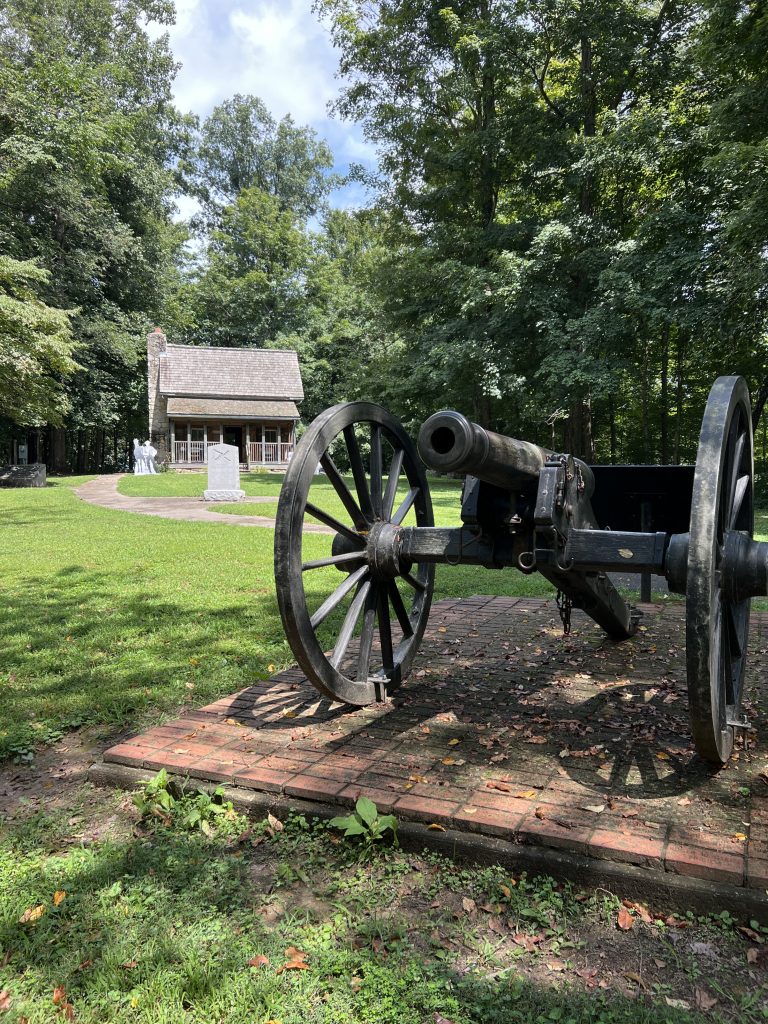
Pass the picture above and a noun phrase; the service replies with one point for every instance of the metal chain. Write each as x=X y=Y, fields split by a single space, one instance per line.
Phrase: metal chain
x=564 y=606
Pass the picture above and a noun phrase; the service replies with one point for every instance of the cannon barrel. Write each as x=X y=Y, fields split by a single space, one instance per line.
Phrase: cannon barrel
x=449 y=443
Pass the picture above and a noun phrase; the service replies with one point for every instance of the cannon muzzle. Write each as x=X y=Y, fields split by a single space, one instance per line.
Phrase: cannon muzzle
x=449 y=443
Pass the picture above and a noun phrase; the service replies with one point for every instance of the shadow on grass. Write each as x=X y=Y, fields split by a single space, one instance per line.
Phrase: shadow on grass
x=163 y=927
x=74 y=649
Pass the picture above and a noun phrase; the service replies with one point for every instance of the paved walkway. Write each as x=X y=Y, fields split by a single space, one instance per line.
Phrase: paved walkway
x=103 y=491
x=506 y=728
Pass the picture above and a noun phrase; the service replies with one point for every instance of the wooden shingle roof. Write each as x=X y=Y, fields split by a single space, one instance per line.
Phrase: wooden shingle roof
x=252 y=373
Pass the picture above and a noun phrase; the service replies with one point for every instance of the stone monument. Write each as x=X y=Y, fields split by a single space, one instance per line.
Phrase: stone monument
x=32 y=475
x=223 y=473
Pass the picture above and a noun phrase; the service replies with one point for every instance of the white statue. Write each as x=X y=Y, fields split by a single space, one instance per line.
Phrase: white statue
x=149 y=457
x=139 y=464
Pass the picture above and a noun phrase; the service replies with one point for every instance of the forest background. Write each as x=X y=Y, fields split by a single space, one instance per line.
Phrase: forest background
x=566 y=237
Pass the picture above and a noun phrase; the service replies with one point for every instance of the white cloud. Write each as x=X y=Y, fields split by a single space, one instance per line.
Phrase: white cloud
x=359 y=149
x=275 y=49
x=286 y=59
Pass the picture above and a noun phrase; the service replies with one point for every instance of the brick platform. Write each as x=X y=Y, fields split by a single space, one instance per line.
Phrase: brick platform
x=508 y=729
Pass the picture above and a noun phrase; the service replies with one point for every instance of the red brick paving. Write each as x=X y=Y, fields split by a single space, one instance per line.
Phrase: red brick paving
x=572 y=743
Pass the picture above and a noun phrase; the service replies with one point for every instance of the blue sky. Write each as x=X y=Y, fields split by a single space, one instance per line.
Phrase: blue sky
x=275 y=49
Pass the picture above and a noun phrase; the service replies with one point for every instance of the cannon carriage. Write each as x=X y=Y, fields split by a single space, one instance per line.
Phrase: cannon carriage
x=355 y=617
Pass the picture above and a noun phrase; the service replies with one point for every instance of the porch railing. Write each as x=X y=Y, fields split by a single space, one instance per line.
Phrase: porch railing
x=267 y=453
x=259 y=453
x=191 y=451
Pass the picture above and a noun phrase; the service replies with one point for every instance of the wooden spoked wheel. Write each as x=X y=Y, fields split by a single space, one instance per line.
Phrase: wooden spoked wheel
x=717 y=622
x=354 y=636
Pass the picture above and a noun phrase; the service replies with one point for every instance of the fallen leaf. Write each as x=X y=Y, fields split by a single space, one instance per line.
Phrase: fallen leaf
x=495 y=925
x=501 y=786
x=629 y=814
x=594 y=808
x=258 y=961
x=625 y=919
x=440 y=1019
x=526 y=794
x=32 y=914
x=678 y=1004
x=58 y=896
x=129 y=965
x=528 y=942
x=233 y=721
x=684 y=801
x=295 y=954
x=453 y=742
x=59 y=995
x=416 y=778
x=424 y=729
x=293 y=965
x=750 y=933
x=469 y=905
x=556 y=965
x=739 y=837
x=662 y=756
x=435 y=827
x=5 y=1001
x=448 y=760
x=752 y=955
x=704 y=999
x=69 y=1011
x=660 y=963
x=539 y=812
x=632 y=976
x=275 y=823
x=84 y=965
x=641 y=911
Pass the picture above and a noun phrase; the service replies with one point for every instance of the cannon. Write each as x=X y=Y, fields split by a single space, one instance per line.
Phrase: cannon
x=355 y=617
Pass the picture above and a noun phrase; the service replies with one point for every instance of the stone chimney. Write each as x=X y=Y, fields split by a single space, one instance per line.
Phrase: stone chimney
x=158 y=404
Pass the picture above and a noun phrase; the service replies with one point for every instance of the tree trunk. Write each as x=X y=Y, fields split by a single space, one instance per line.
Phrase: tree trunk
x=612 y=420
x=644 y=425
x=665 y=394
x=578 y=431
x=98 y=450
x=679 y=372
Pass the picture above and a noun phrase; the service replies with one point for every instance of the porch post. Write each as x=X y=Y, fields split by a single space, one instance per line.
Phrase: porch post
x=173 y=440
x=247 y=443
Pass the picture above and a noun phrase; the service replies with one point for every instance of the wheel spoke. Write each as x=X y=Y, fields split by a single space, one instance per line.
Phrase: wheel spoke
x=733 y=629
x=738 y=454
x=738 y=500
x=385 y=635
x=349 y=503
x=366 y=636
x=394 y=478
x=726 y=663
x=400 y=609
x=320 y=563
x=376 y=470
x=358 y=472
x=334 y=524
x=405 y=505
x=349 y=623
x=338 y=596
x=413 y=581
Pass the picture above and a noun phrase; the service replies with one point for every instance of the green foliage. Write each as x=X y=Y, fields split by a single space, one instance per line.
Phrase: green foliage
x=163 y=802
x=367 y=825
x=88 y=139
x=36 y=346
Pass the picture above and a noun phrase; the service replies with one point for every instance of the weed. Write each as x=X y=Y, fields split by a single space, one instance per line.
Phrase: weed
x=188 y=811
x=368 y=825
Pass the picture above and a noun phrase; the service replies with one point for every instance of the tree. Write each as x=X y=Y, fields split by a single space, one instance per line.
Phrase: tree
x=35 y=347
x=89 y=138
x=250 y=289
x=242 y=147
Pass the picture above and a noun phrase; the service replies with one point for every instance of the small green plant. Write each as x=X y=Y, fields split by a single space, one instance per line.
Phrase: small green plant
x=188 y=811
x=367 y=824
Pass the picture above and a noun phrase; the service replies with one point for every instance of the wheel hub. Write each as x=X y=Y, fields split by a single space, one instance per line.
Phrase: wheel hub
x=383 y=551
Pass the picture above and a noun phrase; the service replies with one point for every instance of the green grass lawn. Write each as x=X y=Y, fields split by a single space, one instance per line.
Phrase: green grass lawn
x=113 y=619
